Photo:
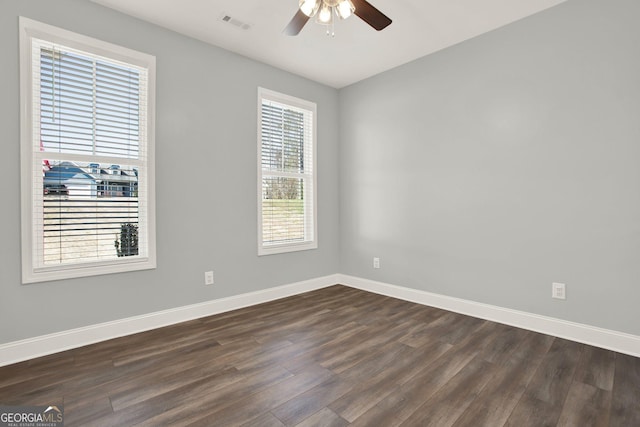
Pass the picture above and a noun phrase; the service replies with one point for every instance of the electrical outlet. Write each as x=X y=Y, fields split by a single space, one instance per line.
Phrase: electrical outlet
x=558 y=291
x=376 y=262
x=208 y=277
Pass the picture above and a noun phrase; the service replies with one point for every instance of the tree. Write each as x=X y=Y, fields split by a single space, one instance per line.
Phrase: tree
x=127 y=243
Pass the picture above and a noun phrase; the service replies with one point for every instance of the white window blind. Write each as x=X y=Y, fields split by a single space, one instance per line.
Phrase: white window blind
x=287 y=178
x=87 y=150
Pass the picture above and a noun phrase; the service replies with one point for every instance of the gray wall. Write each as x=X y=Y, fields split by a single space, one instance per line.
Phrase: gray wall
x=491 y=169
x=205 y=179
x=485 y=171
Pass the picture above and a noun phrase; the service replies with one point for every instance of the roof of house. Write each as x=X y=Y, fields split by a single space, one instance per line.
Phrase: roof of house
x=69 y=173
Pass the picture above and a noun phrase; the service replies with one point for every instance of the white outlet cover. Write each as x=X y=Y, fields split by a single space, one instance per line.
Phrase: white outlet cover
x=208 y=278
x=558 y=291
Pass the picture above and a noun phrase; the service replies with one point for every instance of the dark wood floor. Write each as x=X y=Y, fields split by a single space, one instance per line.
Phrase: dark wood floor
x=333 y=357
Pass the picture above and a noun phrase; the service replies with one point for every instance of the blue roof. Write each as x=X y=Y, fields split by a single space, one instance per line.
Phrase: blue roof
x=66 y=172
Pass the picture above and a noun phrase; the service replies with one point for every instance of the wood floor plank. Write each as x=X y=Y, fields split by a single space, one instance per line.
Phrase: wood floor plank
x=82 y=412
x=265 y=420
x=585 y=406
x=308 y=403
x=426 y=373
x=625 y=407
x=596 y=368
x=384 y=412
x=421 y=313
x=324 y=418
x=377 y=360
x=134 y=395
x=350 y=356
x=553 y=377
x=533 y=412
x=500 y=349
x=502 y=393
x=170 y=407
x=325 y=346
x=304 y=326
x=450 y=328
x=333 y=357
x=129 y=380
x=167 y=349
x=254 y=405
x=451 y=400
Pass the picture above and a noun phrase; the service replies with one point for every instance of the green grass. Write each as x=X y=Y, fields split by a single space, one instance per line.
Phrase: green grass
x=282 y=219
x=290 y=206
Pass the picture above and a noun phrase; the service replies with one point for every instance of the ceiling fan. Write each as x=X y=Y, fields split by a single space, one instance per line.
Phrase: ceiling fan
x=324 y=11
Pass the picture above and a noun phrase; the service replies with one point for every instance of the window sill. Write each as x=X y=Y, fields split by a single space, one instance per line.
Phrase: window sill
x=289 y=247
x=47 y=274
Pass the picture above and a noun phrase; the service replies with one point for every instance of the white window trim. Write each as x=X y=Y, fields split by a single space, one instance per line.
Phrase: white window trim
x=307 y=105
x=29 y=29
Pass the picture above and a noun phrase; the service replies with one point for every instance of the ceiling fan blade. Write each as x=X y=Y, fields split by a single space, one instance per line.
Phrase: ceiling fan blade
x=296 y=24
x=371 y=15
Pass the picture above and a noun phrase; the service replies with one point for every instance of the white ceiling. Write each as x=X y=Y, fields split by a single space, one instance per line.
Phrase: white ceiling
x=357 y=51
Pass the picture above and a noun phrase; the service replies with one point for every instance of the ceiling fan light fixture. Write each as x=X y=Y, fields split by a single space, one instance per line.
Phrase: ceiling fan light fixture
x=323 y=11
x=345 y=9
x=325 y=15
x=309 y=7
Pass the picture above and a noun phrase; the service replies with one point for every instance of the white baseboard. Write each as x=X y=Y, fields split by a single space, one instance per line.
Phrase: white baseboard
x=19 y=351
x=22 y=350
x=591 y=335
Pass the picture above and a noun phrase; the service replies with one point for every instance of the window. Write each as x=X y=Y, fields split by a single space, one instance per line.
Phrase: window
x=286 y=173
x=87 y=114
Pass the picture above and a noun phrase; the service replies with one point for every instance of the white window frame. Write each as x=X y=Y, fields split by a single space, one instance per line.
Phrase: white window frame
x=310 y=203
x=29 y=30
